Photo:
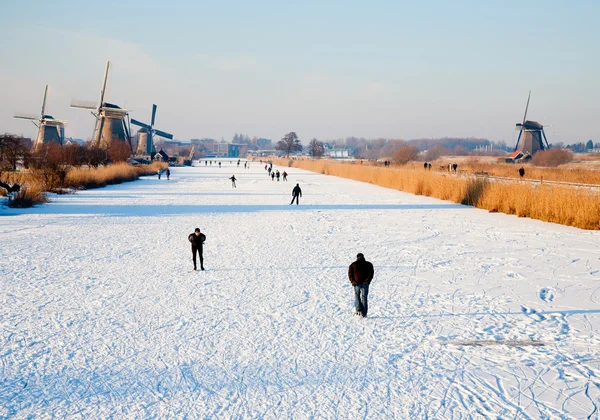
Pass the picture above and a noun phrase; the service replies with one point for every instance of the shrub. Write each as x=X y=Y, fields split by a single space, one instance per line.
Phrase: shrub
x=551 y=157
x=405 y=154
x=28 y=196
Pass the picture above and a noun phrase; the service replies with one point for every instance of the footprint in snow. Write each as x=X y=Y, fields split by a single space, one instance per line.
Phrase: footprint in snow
x=547 y=294
x=532 y=313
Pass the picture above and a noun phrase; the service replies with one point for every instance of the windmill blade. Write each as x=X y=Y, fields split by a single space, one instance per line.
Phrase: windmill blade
x=54 y=121
x=95 y=128
x=526 y=107
x=84 y=104
x=127 y=135
x=518 y=139
x=163 y=134
x=44 y=102
x=104 y=84
x=140 y=124
x=26 y=116
x=545 y=139
x=153 y=115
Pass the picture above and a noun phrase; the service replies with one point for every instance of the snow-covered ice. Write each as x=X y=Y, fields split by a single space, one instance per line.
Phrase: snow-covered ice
x=471 y=314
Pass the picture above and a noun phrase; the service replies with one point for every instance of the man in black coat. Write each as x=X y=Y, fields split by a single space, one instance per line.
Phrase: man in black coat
x=360 y=274
x=296 y=192
x=197 y=240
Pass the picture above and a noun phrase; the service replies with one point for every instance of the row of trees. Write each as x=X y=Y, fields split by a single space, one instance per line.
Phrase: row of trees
x=15 y=149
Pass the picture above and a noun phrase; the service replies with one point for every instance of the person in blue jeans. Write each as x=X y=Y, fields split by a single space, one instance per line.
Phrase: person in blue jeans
x=360 y=274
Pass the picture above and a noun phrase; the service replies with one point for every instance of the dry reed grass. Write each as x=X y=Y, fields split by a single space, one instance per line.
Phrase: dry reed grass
x=577 y=175
x=28 y=196
x=579 y=207
x=109 y=175
x=35 y=182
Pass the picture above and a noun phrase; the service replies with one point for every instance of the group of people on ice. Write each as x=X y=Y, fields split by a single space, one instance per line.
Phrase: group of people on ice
x=360 y=272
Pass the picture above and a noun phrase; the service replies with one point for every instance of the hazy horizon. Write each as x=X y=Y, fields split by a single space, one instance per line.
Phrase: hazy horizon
x=329 y=71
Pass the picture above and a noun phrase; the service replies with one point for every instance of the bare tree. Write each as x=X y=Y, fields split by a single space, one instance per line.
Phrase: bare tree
x=12 y=148
x=289 y=143
x=315 y=148
x=405 y=154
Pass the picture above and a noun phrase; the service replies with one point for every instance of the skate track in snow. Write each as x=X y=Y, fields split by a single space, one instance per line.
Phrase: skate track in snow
x=102 y=316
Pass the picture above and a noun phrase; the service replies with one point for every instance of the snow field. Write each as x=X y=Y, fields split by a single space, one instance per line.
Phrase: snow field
x=101 y=314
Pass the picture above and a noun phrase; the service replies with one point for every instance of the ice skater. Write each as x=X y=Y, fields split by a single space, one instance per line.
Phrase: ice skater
x=360 y=274
x=197 y=240
x=284 y=175
x=168 y=174
x=296 y=193
x=233 y=181
x=277 y=175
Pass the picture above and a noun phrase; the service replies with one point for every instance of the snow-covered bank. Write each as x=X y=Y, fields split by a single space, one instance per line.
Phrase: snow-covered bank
x=101 y=313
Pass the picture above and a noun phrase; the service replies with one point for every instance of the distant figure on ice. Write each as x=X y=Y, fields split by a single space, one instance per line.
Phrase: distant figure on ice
x=266 y=166
x=233 y=181
x=245 y=164
x=360 y=274
x=269 y=171
x=238 y=164
x=205 y=162
x=277 y=175
x=296 y=193
x=521 y=172
x=197 y=240
x=284 y=175
x=219 y=164
x=168 y=174
x=159 y=172
x=272 y=175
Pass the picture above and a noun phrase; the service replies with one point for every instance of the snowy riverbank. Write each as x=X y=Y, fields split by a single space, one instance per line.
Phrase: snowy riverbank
x=101 y=313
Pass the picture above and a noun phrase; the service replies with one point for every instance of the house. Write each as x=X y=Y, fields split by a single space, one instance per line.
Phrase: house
x=161 y=156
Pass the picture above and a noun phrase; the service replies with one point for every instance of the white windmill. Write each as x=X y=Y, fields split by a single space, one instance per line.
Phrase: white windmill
x=110 y=119
x=50 y=130
x=146 y=135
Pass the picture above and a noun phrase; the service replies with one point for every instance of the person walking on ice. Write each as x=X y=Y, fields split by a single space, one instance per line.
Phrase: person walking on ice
x=284 y=175
x=233 y=181
x=197 y=240
x=360 y=274
x=168 y=173
x=296 y=193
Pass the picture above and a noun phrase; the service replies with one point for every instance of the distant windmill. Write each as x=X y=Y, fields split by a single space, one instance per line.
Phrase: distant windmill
x=534 y=138
x=110 y=119
x=146 y=134
x=50 y=130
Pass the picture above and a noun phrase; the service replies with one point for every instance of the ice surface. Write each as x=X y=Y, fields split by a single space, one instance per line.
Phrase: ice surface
x=101 y=314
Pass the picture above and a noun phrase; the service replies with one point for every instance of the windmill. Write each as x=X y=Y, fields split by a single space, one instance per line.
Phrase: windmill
x=534 y=138
x=146 y=134
x=110 y=119
x=50 y=130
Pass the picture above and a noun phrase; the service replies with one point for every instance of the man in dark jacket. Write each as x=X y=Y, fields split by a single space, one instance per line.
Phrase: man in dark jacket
x=296 y=192
x=197 y=240
x=360 y=274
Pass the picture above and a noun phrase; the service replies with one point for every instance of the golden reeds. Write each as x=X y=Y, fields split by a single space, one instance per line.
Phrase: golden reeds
x=572 y=206
x=35 y=182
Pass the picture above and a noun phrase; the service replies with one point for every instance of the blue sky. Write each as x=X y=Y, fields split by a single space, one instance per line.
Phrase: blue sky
x=323 y=69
